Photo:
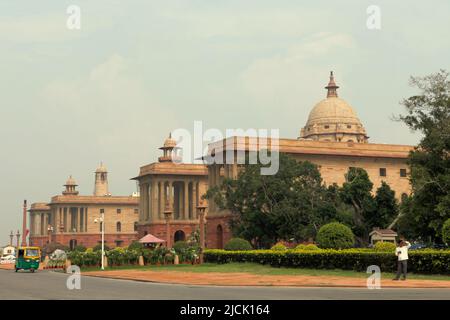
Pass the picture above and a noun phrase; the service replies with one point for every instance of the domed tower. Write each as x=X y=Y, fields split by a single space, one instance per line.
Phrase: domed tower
x=70 y=187
x=101 y=181
x=333 y=119
x=170 y=151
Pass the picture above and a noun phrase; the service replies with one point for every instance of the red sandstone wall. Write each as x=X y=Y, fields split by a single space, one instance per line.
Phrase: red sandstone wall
x=87 y=240
x=213 y=240
x=159 y=230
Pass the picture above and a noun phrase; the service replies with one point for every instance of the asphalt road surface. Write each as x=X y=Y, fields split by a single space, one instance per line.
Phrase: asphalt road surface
x=52 y=285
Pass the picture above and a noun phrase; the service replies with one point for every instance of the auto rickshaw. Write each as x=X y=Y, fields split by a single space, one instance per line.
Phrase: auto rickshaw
x=28 y=258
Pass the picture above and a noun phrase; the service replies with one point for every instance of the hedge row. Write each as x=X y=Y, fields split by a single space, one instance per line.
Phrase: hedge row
x=423 y=261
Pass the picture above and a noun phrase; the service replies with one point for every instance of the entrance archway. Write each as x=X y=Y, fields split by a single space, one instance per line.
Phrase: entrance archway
x=219 y=237
x=179 y=236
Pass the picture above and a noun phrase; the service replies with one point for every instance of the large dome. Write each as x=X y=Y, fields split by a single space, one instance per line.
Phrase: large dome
x=332 y=110
x=333 y=119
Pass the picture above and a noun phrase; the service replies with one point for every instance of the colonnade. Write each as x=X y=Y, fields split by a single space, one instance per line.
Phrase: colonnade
x=183 y=195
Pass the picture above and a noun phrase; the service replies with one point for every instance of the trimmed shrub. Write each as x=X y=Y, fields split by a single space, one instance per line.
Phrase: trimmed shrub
x=99 y=247
x=446 y=232
x=307 y=247
x=238 y=244
x=180 y=247
x=335 y=235
x=425 y=261
x=384 y=246
x=279 y=246
x=136 y=245
x=79 y=248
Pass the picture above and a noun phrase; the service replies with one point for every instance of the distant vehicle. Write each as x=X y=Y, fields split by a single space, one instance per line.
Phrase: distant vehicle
x=28 y=258
x=8 y=258
x=439 y=246
x=418 y=246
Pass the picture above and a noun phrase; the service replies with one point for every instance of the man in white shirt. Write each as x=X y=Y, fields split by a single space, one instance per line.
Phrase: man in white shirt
x=402 y=253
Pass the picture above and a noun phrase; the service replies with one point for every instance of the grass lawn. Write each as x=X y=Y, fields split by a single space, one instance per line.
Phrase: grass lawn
x=255 y=268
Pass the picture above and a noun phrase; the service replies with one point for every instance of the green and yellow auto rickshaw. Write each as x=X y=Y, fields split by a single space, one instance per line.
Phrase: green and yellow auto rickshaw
x=28 y=258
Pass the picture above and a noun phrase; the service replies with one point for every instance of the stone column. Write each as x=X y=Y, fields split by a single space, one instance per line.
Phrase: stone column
x=141 y=201
x=170 y=194
x=186 y=200
x=194 y=200
x=161 y=199
x=154 y=200
x=77 y=219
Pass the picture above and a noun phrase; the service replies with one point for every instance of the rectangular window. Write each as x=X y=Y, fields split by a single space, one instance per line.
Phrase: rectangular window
x=102 y=210
x=136 y=211
x=403 y=173
x=382 y=172
x=119 y=210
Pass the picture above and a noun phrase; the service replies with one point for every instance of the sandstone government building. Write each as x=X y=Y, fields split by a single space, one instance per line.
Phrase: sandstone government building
x=333 y=138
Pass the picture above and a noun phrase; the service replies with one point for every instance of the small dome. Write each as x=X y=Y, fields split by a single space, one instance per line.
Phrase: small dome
x=169 y=142
x=71 y=182
x=101 y=168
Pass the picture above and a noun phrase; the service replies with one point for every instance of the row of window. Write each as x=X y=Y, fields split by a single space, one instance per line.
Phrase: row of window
x=136 y=211
x=119 y=226
x=383 y=172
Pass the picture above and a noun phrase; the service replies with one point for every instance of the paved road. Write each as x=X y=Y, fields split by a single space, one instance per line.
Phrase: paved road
x=52 y=285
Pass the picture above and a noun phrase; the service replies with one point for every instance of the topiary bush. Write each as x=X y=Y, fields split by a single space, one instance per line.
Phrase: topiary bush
x=279 y=246
x=99 y=247
x=446 y=232
x=79 y=248
x=424 y=261
x=307 y=247
x=335 y=235
x=237 y=244
x=384 y=246
x=136 y=245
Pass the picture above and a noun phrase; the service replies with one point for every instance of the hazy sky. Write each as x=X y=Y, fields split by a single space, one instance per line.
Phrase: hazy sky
x=136 y=70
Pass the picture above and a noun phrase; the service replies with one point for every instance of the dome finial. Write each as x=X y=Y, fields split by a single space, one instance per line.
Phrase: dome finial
x=331 y=87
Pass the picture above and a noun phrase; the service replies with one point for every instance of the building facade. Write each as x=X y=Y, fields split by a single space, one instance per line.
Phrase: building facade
x=333 y=138
x=169 y=184
x=72 y=219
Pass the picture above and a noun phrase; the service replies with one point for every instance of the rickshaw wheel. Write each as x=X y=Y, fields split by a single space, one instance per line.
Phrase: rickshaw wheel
x=17 y=269
x=32 y=270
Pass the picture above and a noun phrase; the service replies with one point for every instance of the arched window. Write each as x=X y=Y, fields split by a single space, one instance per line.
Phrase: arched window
x=118 y=227
x=219 y=237
x=101 y=226
x=135 y=226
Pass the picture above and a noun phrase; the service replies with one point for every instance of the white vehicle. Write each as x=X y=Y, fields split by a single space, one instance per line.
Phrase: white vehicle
x=8 y=259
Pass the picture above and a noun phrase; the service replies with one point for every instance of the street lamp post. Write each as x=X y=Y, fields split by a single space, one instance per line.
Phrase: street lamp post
x=50 y=231
x=18 y=239
x=102 y=224
x=201 y=208
x=167 y=216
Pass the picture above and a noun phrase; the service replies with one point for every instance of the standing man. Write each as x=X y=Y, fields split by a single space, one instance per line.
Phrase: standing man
x=402 y=253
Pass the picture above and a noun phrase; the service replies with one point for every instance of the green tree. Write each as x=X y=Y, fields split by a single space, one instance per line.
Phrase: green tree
x=446 y=232
x=429 y=113
x=356 y=191
x=386 y=207
x=292 y=204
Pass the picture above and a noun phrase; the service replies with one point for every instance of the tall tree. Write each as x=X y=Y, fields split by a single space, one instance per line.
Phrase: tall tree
x=292 y=204
x=356 y=191
x=429 y=113
x=386 y=207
